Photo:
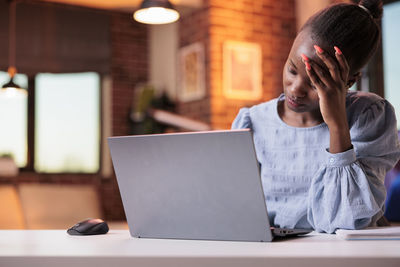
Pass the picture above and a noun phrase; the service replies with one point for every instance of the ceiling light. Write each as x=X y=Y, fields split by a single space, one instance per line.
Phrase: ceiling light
x=156 y=12
x=12 y=88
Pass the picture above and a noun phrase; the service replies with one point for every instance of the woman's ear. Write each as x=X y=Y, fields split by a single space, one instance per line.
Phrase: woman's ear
x=353 y=79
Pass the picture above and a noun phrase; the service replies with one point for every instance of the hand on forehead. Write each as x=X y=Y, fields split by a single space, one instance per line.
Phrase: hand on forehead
x=304 y=44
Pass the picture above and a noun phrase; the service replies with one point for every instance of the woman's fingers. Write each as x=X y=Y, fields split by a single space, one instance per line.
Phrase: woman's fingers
x=314 y=78
x=344 y=66
x=319 y=77
x=335 y=74
x=330 y=63
x=322 y=75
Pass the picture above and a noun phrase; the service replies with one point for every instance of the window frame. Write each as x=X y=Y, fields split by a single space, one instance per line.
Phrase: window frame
x=374 y=70
x=29 y=168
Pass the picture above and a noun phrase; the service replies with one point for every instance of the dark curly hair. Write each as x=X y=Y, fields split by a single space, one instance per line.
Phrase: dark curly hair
x=352 y=28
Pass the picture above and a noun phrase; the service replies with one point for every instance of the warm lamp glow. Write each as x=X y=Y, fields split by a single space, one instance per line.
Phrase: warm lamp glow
x=156 y=12
x=13 y=92
x=12 y=89
x=156 y=15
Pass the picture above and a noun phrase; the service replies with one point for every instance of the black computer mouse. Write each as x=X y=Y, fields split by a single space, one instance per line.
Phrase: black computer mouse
x=89 y=227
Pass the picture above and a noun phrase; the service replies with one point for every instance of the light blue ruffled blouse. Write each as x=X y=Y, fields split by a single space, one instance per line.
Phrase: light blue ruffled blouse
x=304 y=185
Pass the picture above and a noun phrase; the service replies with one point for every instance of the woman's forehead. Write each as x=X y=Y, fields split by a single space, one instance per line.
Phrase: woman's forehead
x=304 y=44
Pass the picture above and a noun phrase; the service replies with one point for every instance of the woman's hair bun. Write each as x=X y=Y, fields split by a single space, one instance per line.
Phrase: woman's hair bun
x=375 y=7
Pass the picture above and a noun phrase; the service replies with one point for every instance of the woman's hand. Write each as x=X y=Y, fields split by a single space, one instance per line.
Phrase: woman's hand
x=331 y=86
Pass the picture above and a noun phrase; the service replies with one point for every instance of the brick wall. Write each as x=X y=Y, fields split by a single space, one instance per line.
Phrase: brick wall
x=129 y=66
x=193 y=28
x=268 y=23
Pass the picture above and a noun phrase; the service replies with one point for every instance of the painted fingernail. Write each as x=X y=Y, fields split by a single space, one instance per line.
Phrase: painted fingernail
x=307 y=65
x=338 y=51
x=318 y=49
x=304 y=57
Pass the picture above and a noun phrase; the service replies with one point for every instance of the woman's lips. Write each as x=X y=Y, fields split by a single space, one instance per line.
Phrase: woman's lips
x=293 y=102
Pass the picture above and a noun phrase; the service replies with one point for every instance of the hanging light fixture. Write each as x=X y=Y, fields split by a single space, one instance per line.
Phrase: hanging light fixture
x=11 y=88
x=156 y=12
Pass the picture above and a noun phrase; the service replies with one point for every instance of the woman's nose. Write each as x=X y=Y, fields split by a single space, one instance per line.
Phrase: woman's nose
x=298 y=89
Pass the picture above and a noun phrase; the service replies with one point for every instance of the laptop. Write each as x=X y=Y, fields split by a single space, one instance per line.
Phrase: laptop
x=199 y=185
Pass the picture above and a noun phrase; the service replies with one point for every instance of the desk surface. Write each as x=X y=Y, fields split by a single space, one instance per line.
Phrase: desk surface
x=118 y=248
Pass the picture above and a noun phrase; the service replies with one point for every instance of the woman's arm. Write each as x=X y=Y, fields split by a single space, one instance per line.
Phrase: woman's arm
x=331 y=82
x=348 y=192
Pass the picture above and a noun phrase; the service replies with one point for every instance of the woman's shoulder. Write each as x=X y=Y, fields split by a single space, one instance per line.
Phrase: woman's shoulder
x=360 y=101
x=364 y=108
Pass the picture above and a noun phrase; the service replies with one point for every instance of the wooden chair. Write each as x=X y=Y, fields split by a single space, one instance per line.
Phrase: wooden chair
x=49 y=206
x=11 y=216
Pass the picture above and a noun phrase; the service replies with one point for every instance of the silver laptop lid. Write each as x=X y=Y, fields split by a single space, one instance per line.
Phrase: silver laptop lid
x=203 y=185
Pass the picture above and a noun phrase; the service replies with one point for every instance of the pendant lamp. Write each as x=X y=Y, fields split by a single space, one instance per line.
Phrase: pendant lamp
x=10 y=88
x=156 y=12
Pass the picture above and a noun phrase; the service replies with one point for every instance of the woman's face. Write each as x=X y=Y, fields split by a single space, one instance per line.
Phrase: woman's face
x=300 y=95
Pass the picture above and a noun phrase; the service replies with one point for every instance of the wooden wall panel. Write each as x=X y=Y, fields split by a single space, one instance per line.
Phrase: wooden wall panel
x=57 y=38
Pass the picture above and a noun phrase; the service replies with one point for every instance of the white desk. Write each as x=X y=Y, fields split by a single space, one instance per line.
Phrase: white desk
x=117 y=248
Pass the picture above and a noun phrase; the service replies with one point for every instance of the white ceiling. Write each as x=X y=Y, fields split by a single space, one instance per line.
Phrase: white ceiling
x=126 y=5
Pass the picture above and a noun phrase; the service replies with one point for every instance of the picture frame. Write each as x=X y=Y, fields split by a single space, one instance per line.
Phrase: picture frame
x=242 y=78
x=192 y=73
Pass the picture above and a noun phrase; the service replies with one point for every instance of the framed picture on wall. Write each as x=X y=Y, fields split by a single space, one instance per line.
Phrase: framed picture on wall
x=242 y=70
x=192 y=74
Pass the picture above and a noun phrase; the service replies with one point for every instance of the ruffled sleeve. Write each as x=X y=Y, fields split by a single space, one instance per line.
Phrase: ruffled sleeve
x=242 y=120
x=348 y=191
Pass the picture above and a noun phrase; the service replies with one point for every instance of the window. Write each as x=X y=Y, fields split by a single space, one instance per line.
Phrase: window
x=13 y=121
x=67 y=122
x=391 y=56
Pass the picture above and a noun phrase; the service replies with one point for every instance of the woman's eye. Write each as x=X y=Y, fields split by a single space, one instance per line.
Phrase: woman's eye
x=312 y=86
x=292 y=71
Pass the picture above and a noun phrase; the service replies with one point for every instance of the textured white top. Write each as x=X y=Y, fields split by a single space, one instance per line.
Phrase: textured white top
x=305 y=186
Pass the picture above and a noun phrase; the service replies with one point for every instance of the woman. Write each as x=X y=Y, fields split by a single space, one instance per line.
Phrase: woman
x=323 y=150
